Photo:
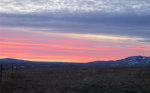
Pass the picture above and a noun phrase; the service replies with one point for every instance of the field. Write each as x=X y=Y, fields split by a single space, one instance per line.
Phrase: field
x=79 y=80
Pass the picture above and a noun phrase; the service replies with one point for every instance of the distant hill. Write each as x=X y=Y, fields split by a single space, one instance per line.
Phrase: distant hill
x=129 y=61
x=10 y=60
x=136 y=60
x=33 y=65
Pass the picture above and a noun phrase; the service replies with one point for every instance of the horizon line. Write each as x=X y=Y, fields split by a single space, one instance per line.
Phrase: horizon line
x=67 y=61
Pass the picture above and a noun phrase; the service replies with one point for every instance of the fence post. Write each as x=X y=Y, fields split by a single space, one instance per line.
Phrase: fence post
x=16 y=67
x=1 y=74
x=12 y=68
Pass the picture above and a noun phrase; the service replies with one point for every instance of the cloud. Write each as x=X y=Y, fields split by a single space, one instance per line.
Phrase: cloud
x=117 y=17
x=28 y=6
x=46 y=46
x=147 y=41
x=74 y=30
x=94 y=23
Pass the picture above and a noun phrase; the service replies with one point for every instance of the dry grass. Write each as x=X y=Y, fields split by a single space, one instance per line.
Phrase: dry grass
x=79 y=80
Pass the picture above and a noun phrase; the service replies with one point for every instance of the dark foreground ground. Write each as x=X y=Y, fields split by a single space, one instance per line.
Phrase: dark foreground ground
x=79 y=80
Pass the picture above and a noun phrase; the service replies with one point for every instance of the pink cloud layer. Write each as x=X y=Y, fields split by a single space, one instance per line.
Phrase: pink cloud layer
x=47 y=46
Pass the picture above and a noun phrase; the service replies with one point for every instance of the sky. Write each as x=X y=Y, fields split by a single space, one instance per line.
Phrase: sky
x=74 y=30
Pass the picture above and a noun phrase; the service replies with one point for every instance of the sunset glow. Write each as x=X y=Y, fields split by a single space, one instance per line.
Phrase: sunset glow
x=71 y=31
x=54 y=47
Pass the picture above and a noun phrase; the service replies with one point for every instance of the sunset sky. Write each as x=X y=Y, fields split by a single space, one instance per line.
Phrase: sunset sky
x=74 y=30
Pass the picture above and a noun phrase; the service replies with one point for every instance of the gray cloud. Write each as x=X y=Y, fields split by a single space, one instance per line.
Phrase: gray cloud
x=30 y=6
x=147 y=41
x=117 y=17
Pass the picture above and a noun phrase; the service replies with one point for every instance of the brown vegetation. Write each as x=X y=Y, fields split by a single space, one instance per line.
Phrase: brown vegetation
x=79 y=80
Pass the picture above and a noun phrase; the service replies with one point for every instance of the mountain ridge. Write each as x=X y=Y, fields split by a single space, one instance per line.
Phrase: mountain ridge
x=130 y=57
x=129 y=61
